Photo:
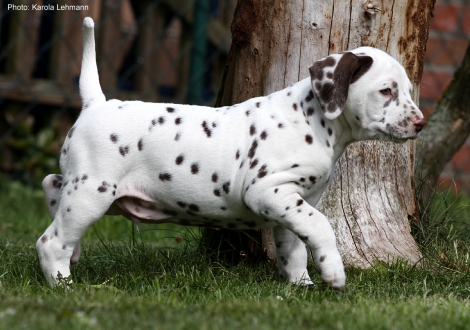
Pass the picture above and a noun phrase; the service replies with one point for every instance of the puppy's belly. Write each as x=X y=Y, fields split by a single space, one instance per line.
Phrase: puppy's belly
x=148 y=210
x=140 y=210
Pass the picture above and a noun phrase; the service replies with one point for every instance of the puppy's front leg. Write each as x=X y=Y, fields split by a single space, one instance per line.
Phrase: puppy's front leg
x=292 y=212
x=291 y=256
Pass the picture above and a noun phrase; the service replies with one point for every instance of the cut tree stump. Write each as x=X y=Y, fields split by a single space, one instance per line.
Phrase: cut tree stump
x=372 y=197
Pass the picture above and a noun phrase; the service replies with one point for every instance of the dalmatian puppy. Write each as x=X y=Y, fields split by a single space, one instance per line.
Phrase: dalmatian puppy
x=261 y=163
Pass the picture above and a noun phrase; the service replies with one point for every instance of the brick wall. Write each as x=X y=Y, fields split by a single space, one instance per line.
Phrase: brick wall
x=448 y=39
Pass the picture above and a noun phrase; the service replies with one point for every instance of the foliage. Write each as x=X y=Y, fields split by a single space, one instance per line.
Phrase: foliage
x=30 y=153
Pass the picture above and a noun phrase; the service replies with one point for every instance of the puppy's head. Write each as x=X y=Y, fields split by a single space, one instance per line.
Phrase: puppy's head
x=371 y=91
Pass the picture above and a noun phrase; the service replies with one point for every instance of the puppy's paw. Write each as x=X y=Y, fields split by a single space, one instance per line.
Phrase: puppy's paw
x=299 y=277
x=331 y=269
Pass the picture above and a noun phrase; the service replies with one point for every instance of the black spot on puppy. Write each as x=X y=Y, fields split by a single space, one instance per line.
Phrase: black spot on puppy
x=252 y=129
x=170 y=109
x=178 y=121
x=300 y=202
x=44 y=239
x=309 y=96
x=206 y=129
x=114 y=138
x=140 y=145
x=387 y=103
x=104 y=187
x=179 y=160
x=181 y=204
x=263 y=135
x=71 y=132
x=262 y=171
x=252 y=151
x=57 y=183
x=215 y=177
x=254 y=163
x=226 y=187
x=308 y=139
x=123 y=150
x=194 y=168
x=165 y=176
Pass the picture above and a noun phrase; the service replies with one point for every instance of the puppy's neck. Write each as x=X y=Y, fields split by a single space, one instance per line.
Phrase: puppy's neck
x=335 y=134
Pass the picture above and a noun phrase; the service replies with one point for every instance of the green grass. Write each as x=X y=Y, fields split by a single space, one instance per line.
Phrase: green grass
x=159 y=278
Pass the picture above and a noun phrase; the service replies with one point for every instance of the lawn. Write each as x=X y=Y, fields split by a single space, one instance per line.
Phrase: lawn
x=160 y=278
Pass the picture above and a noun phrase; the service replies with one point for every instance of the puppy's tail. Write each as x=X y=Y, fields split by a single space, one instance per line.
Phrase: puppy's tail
x=90 y=89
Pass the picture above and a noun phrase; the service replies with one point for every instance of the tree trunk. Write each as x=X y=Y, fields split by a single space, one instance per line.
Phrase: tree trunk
x=372 y=195
x=446 y=131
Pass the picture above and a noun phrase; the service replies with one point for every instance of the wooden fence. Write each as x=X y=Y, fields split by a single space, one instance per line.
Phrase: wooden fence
x=156 y=34
x=144 y=51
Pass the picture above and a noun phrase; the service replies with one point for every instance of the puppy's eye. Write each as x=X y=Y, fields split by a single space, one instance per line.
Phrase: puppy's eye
x=386 y=91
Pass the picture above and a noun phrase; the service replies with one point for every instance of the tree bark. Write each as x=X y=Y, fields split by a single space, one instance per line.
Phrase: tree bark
x=446 y=131
x=372 y=195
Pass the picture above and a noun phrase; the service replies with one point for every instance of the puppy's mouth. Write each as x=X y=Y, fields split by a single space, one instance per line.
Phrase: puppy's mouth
x=396 y=137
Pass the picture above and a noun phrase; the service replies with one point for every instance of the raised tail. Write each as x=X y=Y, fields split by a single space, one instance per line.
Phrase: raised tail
x=90 y=89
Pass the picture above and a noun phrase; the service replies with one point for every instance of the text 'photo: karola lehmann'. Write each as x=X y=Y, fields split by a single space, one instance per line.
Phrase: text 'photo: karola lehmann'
x=47 y=7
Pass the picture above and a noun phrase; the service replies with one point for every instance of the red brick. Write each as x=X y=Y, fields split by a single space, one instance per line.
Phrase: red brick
x=446 y=182
x=466 y=184
x=445 y=17
x=445 y=52
x=427 y=110
x=433 y=49
x=433 y=84
x=461 y=159
x=466 y=20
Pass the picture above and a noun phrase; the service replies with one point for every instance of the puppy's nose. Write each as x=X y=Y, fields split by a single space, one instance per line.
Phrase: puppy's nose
x=419 y=124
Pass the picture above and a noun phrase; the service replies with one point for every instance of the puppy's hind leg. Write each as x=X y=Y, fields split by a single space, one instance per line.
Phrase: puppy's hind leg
x=52 y=186
x=81 y=204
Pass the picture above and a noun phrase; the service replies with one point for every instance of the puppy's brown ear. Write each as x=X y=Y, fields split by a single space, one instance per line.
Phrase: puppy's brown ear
x=331 y=78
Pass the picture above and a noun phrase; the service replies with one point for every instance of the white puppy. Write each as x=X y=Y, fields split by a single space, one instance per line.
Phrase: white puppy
x=261 y=163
